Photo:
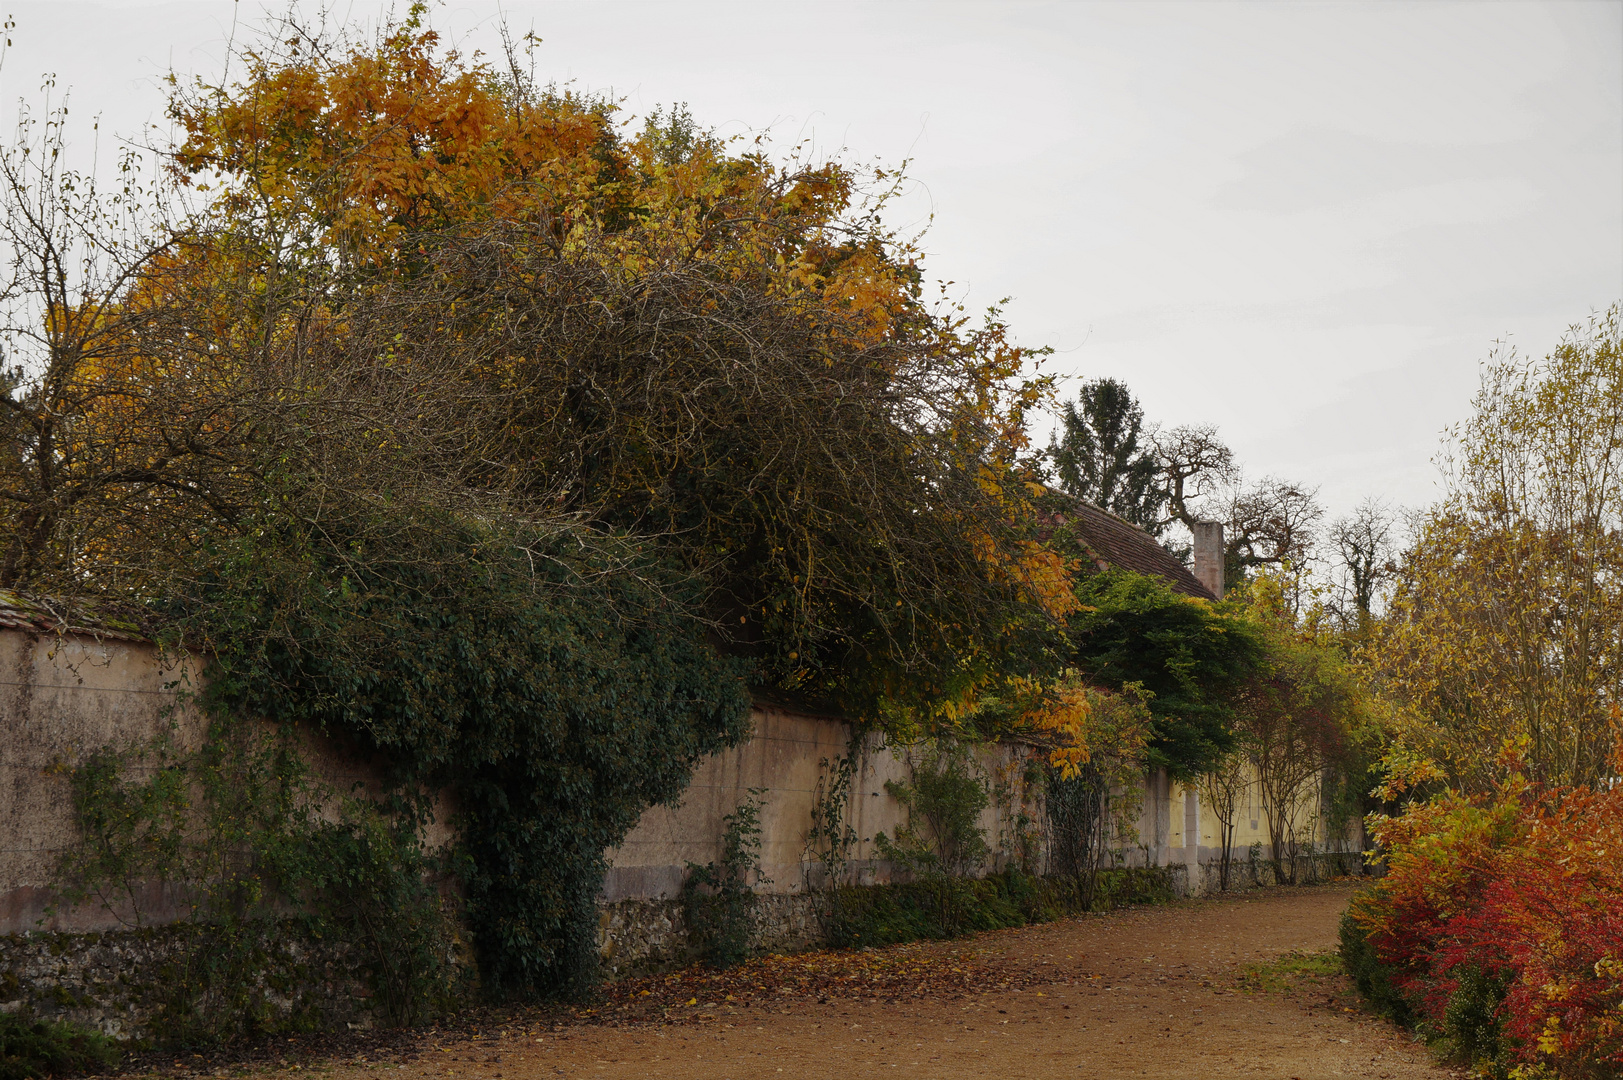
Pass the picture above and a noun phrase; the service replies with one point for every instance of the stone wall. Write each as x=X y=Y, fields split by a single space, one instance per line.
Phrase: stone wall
x=638 y=936
x=61 y=697
x=116 y=981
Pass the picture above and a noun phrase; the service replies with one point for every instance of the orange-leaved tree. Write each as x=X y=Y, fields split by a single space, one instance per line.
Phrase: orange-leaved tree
x=421 y=284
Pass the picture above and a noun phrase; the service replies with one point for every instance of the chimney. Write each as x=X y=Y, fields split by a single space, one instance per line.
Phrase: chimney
x=1209 y=555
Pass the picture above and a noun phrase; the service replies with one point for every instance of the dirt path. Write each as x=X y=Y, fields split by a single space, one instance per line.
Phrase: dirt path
x=1202 y=989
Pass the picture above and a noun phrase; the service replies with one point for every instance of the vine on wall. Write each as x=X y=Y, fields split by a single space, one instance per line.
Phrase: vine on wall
x=550 y=686
x=276 y=871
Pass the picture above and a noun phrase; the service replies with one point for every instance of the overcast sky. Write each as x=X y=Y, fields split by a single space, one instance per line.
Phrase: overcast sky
x=1304 y=223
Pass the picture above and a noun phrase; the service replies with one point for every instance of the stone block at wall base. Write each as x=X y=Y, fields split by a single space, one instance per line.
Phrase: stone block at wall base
x=635 y=937
x=119 y=981
x=1314 y=869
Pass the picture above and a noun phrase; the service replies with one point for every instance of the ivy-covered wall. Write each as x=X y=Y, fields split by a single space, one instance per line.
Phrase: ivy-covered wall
x=64 y=697
x=789 y=758
x=60 y=699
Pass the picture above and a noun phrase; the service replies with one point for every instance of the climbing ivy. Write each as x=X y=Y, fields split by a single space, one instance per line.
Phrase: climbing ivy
x=550 y=689
x=270 y=866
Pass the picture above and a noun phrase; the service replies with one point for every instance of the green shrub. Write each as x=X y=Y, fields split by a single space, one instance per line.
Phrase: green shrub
x=34 y=1048
x=1373 y=978
x=1124 y=886
x=368 y=879
x=935 y=908
x=236 y=826
x=944 y=800
x=939 y=907
x=1473 y=1020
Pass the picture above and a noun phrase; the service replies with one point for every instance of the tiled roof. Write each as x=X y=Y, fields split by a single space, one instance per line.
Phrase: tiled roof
x=1116 y=543
x=36 y=616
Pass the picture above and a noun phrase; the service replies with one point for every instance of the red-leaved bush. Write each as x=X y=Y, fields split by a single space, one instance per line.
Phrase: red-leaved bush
x=1500 y=922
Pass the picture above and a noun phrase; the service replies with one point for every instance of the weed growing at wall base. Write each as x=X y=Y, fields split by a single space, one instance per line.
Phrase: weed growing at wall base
x=40 y=1048
x=719 y=897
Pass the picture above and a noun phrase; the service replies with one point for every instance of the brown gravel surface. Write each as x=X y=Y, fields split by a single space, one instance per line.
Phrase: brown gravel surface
x=1201 y=989
x=1208 y=989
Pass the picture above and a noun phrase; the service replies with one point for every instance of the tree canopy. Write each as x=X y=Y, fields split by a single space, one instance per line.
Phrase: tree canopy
x=1506 y=620
x=1100 y=455
x=1191 y=657
x=420 y=278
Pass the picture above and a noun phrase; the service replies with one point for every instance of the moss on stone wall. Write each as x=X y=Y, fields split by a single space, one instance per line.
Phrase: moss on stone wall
x=155 y=985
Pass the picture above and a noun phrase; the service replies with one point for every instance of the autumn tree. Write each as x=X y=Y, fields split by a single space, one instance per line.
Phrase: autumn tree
x=91 y=449
x=565 y=328
x=1092 y=809
x=1506 y=618
x=1301 y=719
x=1223 y=790
x=531 y=444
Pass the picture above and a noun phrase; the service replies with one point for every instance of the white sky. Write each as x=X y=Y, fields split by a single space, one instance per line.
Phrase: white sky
x=1305 y=223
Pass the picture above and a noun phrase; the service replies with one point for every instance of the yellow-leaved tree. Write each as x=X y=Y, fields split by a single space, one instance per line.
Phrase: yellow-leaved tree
x=1507 y=620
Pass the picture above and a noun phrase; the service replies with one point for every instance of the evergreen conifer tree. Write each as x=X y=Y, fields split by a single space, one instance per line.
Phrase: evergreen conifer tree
x=1097 y=454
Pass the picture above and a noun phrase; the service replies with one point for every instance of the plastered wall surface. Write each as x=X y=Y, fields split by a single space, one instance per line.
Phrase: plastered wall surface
x=61 y=697
x=791 y=756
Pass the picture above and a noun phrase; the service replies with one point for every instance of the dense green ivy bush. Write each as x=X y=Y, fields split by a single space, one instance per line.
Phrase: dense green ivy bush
x=553 y=691
x=1134 y=631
